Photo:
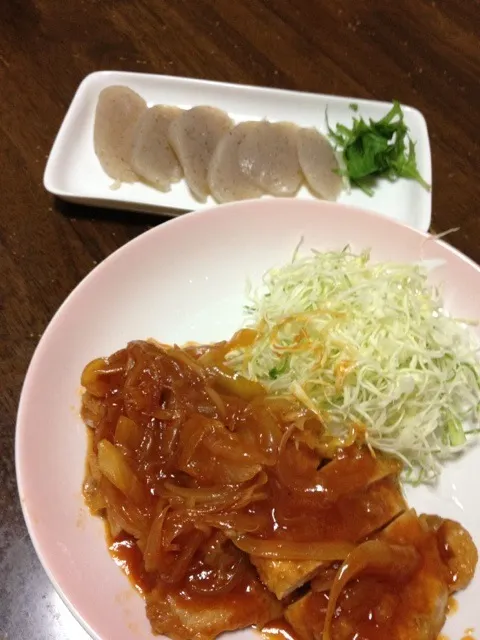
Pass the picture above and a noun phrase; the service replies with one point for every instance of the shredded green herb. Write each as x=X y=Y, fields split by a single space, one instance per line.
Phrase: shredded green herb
x=365 y=343
x=372 y=150
x=277 y=371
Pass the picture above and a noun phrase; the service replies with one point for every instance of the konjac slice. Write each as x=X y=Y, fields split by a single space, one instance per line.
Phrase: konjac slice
x=153 y=159
x=319 y=164
x=226 y=180
x=194 y=137
x=268 y=157
x=118 y=110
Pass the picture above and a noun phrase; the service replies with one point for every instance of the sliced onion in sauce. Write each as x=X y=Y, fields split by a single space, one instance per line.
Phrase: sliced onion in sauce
x=290 y=550
x=375 y=557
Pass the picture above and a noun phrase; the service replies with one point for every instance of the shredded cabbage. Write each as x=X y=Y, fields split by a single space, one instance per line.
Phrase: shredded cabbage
x=368 y=344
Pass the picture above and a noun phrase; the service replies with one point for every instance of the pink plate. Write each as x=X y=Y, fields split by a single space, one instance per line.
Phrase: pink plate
x=185 y=280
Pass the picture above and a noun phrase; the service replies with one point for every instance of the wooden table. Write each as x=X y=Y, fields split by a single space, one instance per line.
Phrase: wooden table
x=423 y=52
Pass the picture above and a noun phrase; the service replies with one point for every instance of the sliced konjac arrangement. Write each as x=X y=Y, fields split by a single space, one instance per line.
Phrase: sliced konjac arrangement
x=151 y=154
x=194 y=136
x=116 y=117
x=158 y=145
x=231 y=507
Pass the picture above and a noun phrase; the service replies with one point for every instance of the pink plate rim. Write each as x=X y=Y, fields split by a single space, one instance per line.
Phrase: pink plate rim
x=66 y=592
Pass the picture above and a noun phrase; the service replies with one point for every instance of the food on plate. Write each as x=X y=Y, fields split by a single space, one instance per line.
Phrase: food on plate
x=319 y=164
x=234 y=507
x=367 y=344
x=230 y=163
x=194 y=136
x=118 y=110
x=226 y=180
x=158 y=144
x=199 y=614
x=152 y=157
x=374 y=150
x=268 y=157
x=399 y=582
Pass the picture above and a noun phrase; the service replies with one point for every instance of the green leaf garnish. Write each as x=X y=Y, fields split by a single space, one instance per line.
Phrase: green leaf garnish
x=456 y=432
x=277 y=371
x=374 y=150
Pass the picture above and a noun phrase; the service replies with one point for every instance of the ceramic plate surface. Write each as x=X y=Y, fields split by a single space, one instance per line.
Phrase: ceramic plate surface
x=185 y=280
x=74 y=173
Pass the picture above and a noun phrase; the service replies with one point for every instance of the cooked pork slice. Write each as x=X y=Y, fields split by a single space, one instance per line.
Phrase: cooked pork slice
x=194 y=137
x=422 y=602
x=381 y=599
x=268 y=156
x=358 y=516
x=383 y=501
x=307 y=616
x=355 y=470
x=117 y=113
x=457 y=550
x=282 y=577
x=370 y=606
x=226 y=180
x=319 y=164
x=152 y=156
x=176 y=616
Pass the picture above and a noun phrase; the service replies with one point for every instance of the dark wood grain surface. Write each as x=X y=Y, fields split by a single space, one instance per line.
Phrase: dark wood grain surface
x=424 y=53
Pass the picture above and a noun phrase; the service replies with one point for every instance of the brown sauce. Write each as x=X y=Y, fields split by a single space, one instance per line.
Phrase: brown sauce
x=452 y=606
x=186 y=456
x=129 y=558
x=279 y=630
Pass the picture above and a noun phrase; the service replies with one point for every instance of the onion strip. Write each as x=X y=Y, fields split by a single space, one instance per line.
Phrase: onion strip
x=290 y=550
x=374 y=556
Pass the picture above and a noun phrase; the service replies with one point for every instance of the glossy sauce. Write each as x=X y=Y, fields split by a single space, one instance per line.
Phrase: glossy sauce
x=279 y=630
x=452 y=606
x=129 y=558
x=185 y=454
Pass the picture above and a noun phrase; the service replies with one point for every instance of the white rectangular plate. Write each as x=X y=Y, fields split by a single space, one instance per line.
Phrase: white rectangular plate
x=74 y=173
